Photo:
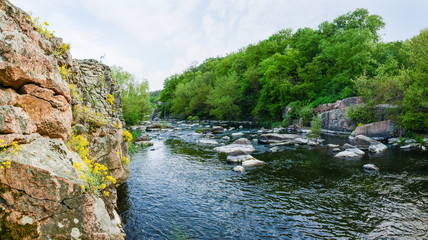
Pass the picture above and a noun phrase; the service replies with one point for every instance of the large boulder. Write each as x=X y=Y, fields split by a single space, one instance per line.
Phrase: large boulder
x=42 y=197
x=378 y=148
x=272 y=138
x=350 y=153
x=362 y=140
x=335 y=120
x=241 y=144
x=372 y=145
x=382 y=130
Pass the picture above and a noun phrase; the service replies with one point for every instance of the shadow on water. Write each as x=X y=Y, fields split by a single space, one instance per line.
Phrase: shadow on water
x=183 y=191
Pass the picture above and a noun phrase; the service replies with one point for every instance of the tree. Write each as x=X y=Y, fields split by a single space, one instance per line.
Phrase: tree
x=316 y=126
x=224 y=98
x=135 y=95
x=415 y=115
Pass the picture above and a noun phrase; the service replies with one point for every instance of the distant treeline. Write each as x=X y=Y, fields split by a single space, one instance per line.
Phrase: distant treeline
x=306 y=68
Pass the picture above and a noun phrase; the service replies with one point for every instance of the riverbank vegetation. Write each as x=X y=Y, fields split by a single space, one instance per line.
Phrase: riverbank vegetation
x=135 y=96
x=303 y=69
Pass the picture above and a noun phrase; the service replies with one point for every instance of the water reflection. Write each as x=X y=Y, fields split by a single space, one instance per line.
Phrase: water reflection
x=180 y=189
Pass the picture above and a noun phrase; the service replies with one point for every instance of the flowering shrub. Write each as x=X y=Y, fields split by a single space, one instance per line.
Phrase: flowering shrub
x=88 y=116
x=15 y=148
x=117 y=125
x=65 y=47
x=123 y=159
x=42 y=28
x=65 y=73
x=127 y=136
x=94 y=175
x=110 y=99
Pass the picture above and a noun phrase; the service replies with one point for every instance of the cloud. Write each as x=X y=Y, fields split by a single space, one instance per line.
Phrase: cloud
x=154 y=39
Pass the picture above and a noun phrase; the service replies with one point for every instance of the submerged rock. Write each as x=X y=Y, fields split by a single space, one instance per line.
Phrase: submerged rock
x=350 y=153
x=348 y=146
x=239 y=156
x=226 y=138
x=217 y=129
x=252 y=163
x=144 y=137
x=276 y=138
x=336 y=150
x=412 y=145
x=238 y=134
x=239 y=169
x=206 y=141
x=332 y=145
x=370 y=167
x=274 y=149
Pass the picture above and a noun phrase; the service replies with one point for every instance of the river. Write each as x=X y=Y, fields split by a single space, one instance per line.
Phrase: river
x=179 y=190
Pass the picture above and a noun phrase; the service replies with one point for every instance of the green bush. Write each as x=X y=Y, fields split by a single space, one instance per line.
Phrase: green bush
x=306 y=113
x=135 y=96
x=193 y=118
x=362 y=114
x=419 y=139
x=316 y=126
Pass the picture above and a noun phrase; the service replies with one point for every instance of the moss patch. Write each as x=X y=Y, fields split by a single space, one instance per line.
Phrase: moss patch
x=16 y=231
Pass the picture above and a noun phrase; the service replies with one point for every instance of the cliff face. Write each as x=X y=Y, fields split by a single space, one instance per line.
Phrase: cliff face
x=46 y=99
x=97 y=109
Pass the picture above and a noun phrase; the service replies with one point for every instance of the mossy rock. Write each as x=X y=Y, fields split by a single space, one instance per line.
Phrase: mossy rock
x=15 y=231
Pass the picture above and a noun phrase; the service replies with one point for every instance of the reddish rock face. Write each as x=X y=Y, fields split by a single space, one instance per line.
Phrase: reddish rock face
x=15 y=120
x=30 y=79
x=40 y=194
x=7 y=96
x=50 y=113
x=27 y=56
x=50 y=121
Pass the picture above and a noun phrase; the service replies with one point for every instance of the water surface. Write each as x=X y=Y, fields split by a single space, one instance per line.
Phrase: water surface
x=178 y=190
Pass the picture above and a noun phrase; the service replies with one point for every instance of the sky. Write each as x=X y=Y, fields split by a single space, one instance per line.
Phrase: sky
x=154 y=39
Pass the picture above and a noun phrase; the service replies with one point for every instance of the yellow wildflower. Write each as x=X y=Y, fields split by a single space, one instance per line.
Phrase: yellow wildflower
x=127 y=136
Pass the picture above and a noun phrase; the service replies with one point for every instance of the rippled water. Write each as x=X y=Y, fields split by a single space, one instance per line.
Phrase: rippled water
x=178 y=190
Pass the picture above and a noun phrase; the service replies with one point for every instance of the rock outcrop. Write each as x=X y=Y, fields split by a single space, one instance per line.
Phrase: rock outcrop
x=340 y=104
x=382 y=130
x=334 y=119
x=40 y=190
x=98 y=107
